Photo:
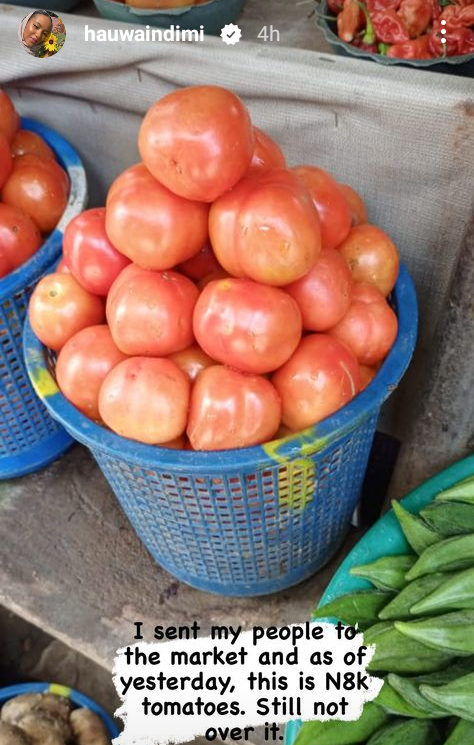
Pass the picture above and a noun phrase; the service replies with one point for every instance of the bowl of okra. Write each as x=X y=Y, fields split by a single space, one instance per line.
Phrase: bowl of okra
x=409 y=587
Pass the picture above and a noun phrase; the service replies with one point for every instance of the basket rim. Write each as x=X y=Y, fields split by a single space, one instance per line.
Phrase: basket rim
x=9 y=692
x=305 y=443
x=51 y=248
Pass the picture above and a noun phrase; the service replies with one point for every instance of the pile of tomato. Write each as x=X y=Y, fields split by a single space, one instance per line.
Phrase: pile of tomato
x=33 y=190
x=220 y=299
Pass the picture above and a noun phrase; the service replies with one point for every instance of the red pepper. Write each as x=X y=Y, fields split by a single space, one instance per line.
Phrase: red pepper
x=458 y=41
x=349 y=20
x=457 y=17
x=335 y=6
x=436 y=9
x=462 y=3
x=389 y=27
x=417 y=16
x=413 y=49
x=466 y=16
x=375 y=5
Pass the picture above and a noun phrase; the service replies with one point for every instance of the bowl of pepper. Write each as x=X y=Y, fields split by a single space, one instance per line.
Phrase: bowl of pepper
x=434 y=35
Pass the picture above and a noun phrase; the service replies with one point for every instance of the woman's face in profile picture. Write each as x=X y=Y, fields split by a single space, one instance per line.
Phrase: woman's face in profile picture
x=37 y=30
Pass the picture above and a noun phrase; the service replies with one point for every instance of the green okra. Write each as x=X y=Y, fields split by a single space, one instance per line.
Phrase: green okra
x=360 y=608
x=418 y=534
x=393 y=703
x=401 y=605
x=455 y=592
x=406 y=732
x=396 y=653
x=408 y=689
x=463 y=491
x=387 y=573
x=450 y=518
x=456 y=697
x=338 y=732
x=449 y=555
x=452 y=633
x=461 y=734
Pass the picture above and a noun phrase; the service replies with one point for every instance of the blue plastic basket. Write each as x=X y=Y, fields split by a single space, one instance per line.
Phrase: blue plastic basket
x=77 y=698
x=29 y=437
x=249 y=521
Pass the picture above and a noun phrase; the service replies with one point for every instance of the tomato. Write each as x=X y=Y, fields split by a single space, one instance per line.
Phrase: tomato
x=333 y=210
x=372 y=257
x=9 y=119
x=178 y=443
x=151 y=313
x=231 y=409
x=6 y=164
x=267 y=154
x=25 y=142
x=82 y=365
x=369 y=327
x=192 y=360
x=39 y=187
x=145 y=399
x=211 y=277
x=201 y=264
x=152 y=226
x=356 y=205
x=367 y=374
x=62 y=267
x=59 y=308
x=324 y=294
x=89 y=254
x=19 y=238
x=197 y=141
x=320 y=378
x=266 y=229
x=252 y=327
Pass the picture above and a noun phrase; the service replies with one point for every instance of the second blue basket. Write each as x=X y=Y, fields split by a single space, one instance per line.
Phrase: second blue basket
x=249 y=521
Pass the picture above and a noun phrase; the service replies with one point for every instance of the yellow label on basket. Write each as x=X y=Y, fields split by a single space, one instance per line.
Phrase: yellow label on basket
x=60 y=690
x=44 y=383
x=297 y=476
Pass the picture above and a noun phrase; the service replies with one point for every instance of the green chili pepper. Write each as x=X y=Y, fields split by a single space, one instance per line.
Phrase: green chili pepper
x=462 y=734
x=418 y=534
x=463 y=491
x=393 y=703
x=369 y=35
x=402 y=604
x=355 y=608
x=383 y=48
x=338 y=732
x=455 y=592
x=396 y=653
x=387 y=573
x=453 y=632
x=456 y=697
x=450 y=518
x=411 y=732
x=445 y=556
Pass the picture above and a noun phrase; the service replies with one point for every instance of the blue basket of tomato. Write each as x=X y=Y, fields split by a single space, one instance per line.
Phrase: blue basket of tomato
x=235 y=507
x=29 y=437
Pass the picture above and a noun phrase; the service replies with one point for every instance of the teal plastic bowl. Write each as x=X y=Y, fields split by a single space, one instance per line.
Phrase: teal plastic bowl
x=212 y=15
x=385 y=538
x=462 y=64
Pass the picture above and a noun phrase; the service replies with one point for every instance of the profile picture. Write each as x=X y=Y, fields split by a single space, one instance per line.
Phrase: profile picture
x=42 y=33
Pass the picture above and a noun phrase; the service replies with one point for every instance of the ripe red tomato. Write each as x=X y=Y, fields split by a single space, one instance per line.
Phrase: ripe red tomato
x=9 y=119
x=356 y=205
x=320 y=378
x=201 y=264
x=82 y=365
x=150 y=225
x=212 y=277
x=192 y=360
x=151 y=313
x=25 y=142
x=197 y=141
x=267 y=154
x=249 y=326
x=334 y=213
x=6 y=164
x=62 y=267
x=367 y=374
x=324 y=294
x=145 y=399
x=39 y=187
x=89 y=254
x=372 y=257
x=19 y=238
x=266 y=228
x=59 y=308
x=369 y=327
x=231 y=409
